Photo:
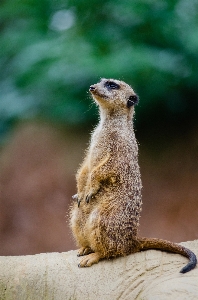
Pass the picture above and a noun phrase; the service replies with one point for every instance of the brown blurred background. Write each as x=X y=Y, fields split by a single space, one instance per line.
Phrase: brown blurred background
x=37 y=180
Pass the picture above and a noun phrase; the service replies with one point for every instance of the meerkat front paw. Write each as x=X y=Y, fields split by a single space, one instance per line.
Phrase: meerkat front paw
x=89 y=197
x=91 y=194
x=77 y=198
x=89 y=260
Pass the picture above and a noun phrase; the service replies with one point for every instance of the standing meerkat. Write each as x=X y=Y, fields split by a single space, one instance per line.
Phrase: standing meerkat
x=105 y=215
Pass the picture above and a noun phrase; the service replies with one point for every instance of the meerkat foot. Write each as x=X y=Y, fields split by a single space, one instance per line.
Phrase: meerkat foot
x=84 y=251
x=89 y=260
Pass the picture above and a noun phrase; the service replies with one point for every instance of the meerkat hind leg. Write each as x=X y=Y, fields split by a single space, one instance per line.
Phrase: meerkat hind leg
x=84 y=251
x=90 y=259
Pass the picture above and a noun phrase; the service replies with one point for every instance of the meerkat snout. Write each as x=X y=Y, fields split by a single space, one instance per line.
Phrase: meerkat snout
x=92 y=88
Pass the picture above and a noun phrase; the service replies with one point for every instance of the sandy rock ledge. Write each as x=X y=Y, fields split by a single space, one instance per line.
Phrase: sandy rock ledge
x=146 y=275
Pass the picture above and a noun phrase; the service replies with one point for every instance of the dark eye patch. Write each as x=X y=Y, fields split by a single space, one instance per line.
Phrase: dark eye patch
x=132 y=100
x=111 y=85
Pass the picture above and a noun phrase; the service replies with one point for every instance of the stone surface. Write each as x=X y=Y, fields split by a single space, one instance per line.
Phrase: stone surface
x=146 y=275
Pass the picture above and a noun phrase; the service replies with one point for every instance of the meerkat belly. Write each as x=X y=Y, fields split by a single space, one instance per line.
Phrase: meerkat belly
x=78 y=220
x=108 y=226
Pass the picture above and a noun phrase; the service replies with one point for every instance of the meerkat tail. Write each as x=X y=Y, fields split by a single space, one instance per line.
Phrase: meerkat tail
x=152 y=243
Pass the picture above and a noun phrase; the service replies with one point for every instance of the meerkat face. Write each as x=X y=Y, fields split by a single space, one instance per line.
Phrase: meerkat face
x=114 y=94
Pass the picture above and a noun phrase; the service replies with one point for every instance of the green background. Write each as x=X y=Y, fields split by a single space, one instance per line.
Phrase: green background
x=51 y=51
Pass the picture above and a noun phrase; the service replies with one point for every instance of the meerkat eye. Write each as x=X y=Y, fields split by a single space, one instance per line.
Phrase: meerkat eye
x=132 y=100
x=112 y=85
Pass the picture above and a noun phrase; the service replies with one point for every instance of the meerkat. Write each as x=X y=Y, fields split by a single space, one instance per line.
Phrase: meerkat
x=106 y=211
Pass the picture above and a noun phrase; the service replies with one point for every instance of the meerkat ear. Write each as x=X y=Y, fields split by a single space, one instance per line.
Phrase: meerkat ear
x=132 y=100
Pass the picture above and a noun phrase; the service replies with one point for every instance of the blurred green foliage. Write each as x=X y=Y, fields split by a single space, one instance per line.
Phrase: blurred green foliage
x=51 y=51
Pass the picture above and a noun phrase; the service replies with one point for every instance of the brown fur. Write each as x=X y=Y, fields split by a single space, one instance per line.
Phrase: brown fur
x=105 y=217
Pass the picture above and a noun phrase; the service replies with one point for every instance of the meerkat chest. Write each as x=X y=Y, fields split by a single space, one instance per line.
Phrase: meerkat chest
x=100 y=142
x=99 y=149
x=109 y=142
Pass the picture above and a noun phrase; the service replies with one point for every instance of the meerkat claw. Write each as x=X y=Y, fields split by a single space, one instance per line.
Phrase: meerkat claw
x=75 y=197
x=88 y=198
x=84 y=251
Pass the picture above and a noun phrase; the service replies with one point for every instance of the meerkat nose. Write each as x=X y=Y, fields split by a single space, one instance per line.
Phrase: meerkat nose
x=92 y=88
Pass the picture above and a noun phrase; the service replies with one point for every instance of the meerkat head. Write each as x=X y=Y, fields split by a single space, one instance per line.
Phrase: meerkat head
x=114 y=95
